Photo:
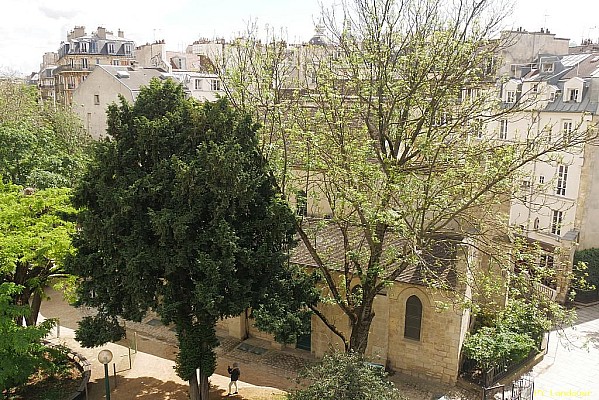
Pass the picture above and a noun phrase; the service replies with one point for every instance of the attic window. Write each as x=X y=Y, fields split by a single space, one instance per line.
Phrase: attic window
x=552 y=96
x=547 y=67
x=535 y=88
x=510 y=96
x=573 y=95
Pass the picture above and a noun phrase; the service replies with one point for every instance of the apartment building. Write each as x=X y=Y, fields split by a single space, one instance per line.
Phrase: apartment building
x=46 y=77
x=80 y=53
x=558 y=96
x=103 y=86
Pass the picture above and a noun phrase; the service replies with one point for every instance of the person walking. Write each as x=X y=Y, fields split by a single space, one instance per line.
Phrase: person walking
x=234 y=372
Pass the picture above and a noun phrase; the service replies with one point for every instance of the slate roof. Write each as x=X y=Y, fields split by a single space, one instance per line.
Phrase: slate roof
x=137 y=77
x=584 y=66
x=437 y=262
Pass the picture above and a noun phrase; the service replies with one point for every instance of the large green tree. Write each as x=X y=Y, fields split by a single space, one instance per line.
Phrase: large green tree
x=180 y=215
x=40 y=145
x=35 y=229
x=389 y=123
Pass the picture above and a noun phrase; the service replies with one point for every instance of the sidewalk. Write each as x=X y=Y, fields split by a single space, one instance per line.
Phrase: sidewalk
x=266 y=373
x=151 y=374
x=570 y=368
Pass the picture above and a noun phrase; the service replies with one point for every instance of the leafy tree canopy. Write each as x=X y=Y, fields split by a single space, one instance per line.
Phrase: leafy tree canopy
x=180 y=215
x=36 y=228
x=40 y=145
x=389 y=128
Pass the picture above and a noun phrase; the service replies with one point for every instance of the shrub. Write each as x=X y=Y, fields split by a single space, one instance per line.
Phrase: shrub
x=591 y=258
x=524 y=317
x=490 y=346
x=343 y=376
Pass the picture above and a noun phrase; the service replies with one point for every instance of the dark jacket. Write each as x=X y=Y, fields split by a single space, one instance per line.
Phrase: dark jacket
x=234 y=372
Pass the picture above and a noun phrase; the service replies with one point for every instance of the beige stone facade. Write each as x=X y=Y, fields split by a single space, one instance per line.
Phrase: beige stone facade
x=436 y=356
x=80 y=53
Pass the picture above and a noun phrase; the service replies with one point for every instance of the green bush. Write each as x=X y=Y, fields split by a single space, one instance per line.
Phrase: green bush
x=524 y=317
x=591 y=258
x=343 y=376
x=491 y=345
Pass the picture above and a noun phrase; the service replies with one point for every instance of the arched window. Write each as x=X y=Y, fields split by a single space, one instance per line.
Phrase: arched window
x=413 y=318
x=536 y=224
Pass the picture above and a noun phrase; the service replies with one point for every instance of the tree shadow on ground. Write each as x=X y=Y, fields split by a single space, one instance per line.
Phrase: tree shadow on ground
x=591 y=338
x=148 y=388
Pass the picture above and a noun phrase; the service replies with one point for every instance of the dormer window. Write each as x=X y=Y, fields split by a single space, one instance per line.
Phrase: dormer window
x=573 y=95
x=110 y=47
x=127 y=47
x=83 y=47
x=535 y=88
x=510 y=96
x=547 y=67
x=552 y=96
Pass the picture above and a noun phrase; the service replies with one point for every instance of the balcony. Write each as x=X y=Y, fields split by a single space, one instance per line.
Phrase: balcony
x=77 y=67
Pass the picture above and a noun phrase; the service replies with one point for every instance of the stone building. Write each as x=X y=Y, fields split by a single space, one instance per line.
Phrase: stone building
x=80 y=53
x=106 y=83
x=556 y=207
x=103 y=87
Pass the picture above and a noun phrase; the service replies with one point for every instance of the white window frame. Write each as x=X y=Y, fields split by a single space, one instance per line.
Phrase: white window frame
x=110 y=47
x=567 y=128
x=83 y=48
x=557 y=218
x=503 y=129
x=84 y=63
x=562 y=178
x=476 y=128
x=128 y=48
x=469 y=94
x=573 y=95
x=215 y=85
x=547 y=67
x=510 y=96
x=197 y=84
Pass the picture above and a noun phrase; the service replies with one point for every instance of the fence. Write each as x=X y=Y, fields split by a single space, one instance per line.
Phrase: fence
x=521 y=389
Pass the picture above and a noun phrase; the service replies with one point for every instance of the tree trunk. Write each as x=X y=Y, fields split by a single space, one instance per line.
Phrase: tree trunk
x=194 y=392
x=361 y=329
x=204 y=386
x=36 y=303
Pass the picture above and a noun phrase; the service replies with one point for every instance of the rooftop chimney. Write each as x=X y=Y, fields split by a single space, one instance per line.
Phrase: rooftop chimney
x=101 y=32
x=77 y=32
x=121 y=33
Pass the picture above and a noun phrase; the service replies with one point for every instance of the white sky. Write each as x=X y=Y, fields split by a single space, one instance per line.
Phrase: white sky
x=29 y=28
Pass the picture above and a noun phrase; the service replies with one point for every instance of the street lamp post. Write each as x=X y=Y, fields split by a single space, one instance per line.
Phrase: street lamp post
x=105 y=356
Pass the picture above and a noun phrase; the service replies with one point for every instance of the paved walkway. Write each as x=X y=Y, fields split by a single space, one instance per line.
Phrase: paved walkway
x=149 y=373
x=570 y=369
x=151 y=376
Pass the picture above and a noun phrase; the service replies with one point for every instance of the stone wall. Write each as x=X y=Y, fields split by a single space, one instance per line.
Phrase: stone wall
x=434 y=356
